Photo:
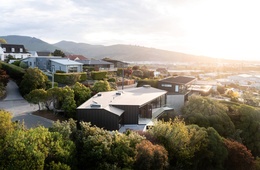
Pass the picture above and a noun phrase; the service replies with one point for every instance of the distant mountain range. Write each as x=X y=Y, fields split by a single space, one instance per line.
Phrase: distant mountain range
x=118 y=52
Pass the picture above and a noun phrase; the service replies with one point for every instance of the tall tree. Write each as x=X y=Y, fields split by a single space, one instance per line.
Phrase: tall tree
x=81 y=93
x=101 y=86
x=33 y=79
x=37 y=96
x=206 y=112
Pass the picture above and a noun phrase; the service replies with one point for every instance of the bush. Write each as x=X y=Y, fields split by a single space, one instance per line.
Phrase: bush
x=98 y=75
x=111 y=80
x=151 y=82
x=13 y=71
x=69 y=78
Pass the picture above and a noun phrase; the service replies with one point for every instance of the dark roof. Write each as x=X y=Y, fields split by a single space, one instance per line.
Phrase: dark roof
x=94 y=62
x=17 y=47
x=44 y=53
x=73 y=57
x=179 y=80
x=113 y=61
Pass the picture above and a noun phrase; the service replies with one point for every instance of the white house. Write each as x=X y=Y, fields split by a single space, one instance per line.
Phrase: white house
x=15 y=50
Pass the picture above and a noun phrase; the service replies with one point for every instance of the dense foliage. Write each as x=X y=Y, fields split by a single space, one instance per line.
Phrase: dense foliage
x=98 y=75
x=13 y=71
x=69 y=78
x=33 y=79
x=72 y=145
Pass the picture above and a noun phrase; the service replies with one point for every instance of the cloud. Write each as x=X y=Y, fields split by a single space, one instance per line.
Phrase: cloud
x=201 y=27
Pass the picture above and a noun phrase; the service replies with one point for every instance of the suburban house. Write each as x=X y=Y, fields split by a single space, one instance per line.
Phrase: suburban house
x=98 y=65
x=65 y=65
x=133 y=108
x=53 y=63
x=15 y=50
x=76 y=57
x=117 y=64
x=178 y=90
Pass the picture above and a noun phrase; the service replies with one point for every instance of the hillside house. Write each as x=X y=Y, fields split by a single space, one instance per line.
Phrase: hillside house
x=177 y=90
x=98 y=65
x=117 y=63
x=115 y=110
x=15 y=50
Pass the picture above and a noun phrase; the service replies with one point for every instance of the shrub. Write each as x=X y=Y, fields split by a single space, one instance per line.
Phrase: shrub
x=151 y=82
x=98 y=75
x=69 y=78
x=13 y=71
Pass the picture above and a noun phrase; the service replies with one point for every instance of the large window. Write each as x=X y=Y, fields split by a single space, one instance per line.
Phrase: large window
x=166 y=85
x=21 y=50
x=72 y=69
x=13 y=50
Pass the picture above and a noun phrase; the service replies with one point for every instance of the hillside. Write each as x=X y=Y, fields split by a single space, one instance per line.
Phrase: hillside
x=128 y=53
x=30 y=43
x=119 y=52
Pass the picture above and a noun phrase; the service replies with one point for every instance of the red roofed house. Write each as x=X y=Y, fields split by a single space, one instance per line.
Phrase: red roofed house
x=76 y=57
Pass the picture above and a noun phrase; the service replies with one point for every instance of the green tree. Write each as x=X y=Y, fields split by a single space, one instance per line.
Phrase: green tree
x=81 y=93
x=206 y=112
x=58 y=53
x=246 y=119
x=37 y=96
x=33 y=79
x=175 y=137
x=101 y=86
x=68 y=102
x=6 y=125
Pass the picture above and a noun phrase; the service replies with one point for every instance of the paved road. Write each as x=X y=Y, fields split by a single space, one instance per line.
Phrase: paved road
x=21 y=110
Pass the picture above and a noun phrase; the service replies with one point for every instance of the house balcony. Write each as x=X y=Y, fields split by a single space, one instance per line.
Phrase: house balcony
x=157 y=112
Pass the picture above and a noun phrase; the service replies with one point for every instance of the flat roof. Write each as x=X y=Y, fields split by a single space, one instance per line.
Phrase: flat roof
x=66 y=61
x=178 y=80
x=133 y=96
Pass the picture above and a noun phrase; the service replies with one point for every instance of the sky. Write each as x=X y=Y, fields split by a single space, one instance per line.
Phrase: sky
x=215 y=28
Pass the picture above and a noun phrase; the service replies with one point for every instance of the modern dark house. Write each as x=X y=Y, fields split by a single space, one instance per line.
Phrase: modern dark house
x=117 y=63
x=132 y=108
x=178 y=89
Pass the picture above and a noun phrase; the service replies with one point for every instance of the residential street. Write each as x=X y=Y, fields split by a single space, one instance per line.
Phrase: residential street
x=21 y=110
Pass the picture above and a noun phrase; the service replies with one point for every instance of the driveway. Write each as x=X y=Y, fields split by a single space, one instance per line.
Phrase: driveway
x=21 y=110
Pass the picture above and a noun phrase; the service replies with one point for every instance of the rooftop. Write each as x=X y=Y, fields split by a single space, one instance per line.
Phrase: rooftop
x=76 y=57
x=65 y=61
x=94 y=62
x=133 y=96
x=179 y=80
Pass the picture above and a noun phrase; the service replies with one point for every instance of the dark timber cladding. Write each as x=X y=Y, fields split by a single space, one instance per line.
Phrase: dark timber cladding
x=100 y=117
x=130 y=115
